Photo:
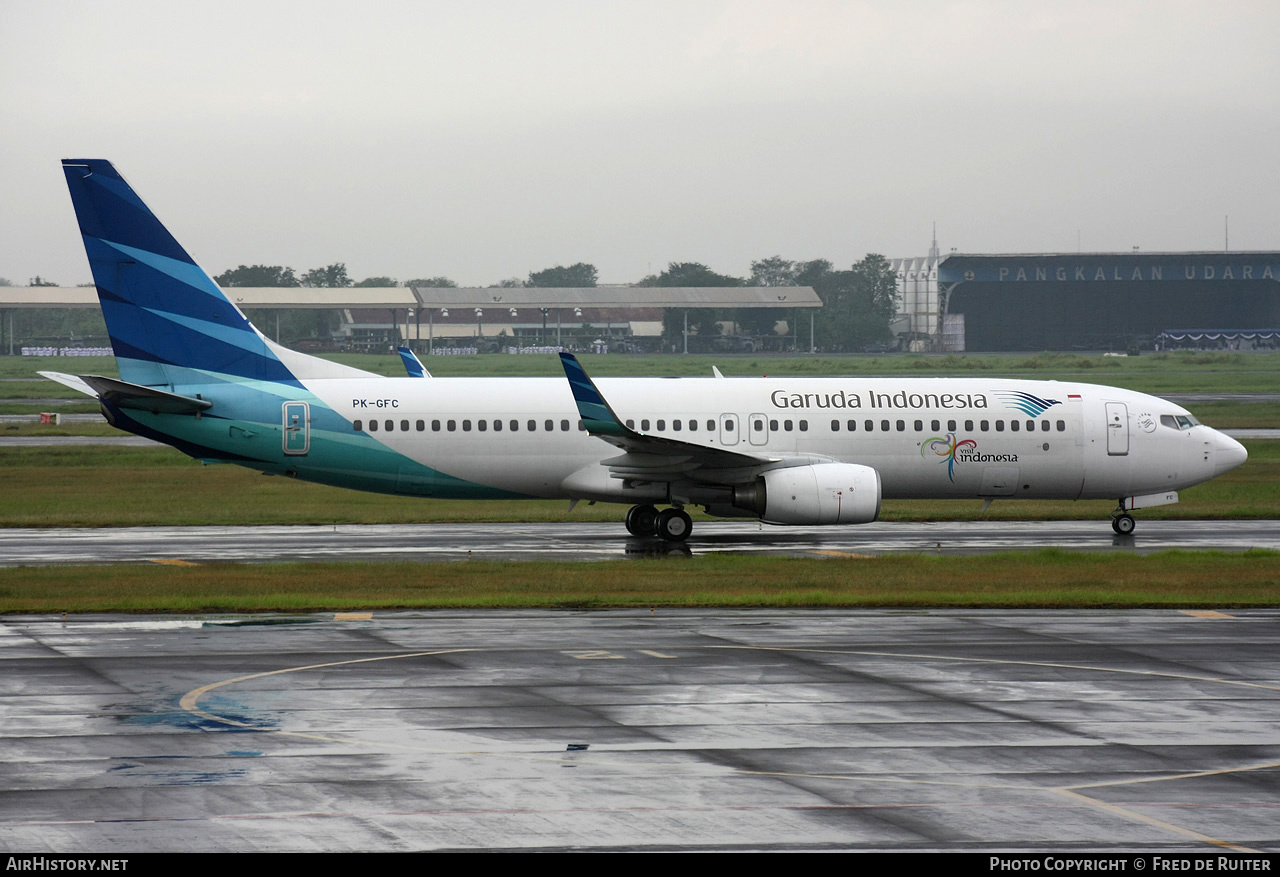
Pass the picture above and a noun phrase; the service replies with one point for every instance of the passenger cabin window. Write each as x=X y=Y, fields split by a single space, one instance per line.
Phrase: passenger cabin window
x=515 y=426
x=676 y=424
x=919 y=426
x=549 y=425
x=435 y=426
x=968 y=426
x=422 y=426
x=1013 y=426
x=466 y=426
x=389 y=425
x=482 y=425
x=804 y=426
x=835 y=426
x=453 y=425
x=1062 y=426
x=951 y=426
x=984 y=425
x=1044 y=426
x=884 y=426
x=662 y=426
x=902 y=426
x=773 y=425
x=631 y=424
x=693 y=425
x=852 y=425
x=356 y=424
x=532 y=425
x=870 y=425
x=373 y=426
x=564 y=426
x=644 y=426
x=786 y=424
x=999 y=426
x=934 y=426
x=582 y=427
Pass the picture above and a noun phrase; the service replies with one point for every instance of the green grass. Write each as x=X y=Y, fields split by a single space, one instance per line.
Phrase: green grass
x=1048 y=578
x=1176 y=372
x=124 y=486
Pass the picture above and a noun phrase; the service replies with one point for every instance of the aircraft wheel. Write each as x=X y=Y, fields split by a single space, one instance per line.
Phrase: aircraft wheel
x=1123 y=524
x=674 y=525
x=642 y=520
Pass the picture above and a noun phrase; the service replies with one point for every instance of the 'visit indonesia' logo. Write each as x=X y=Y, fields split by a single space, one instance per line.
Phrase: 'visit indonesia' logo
x=947 y=447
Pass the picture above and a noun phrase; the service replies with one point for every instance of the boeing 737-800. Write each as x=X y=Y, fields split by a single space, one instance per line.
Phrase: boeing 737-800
x=197 y=375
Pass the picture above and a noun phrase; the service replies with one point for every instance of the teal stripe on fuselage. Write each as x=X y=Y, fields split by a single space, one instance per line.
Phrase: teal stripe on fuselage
x=245 y=423
x=341 y=459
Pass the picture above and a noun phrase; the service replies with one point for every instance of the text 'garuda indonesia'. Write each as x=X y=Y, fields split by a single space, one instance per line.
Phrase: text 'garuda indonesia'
x=901 y=399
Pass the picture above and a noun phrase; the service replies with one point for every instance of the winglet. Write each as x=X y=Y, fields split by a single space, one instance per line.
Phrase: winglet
x=412 y=364
x=597 y=416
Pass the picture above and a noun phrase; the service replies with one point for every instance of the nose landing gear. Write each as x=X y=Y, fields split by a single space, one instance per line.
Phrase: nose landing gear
x=1122 y=522
x=673 y=525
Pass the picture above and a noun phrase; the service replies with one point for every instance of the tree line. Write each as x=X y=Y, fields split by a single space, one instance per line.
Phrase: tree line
x=858 y=302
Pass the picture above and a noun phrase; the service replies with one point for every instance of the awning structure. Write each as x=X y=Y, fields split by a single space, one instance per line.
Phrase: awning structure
x=692 y=297
x=1219 y=335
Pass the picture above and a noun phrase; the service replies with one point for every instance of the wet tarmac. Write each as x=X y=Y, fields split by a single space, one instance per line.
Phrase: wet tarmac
x=605 y=541
x=749 y=730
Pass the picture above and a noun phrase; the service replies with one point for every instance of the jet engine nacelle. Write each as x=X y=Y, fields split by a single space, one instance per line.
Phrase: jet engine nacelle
x=824 y=493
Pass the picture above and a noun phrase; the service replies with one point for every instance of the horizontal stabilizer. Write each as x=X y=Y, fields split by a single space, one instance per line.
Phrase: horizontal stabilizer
x=123 y=394
x=74 y=382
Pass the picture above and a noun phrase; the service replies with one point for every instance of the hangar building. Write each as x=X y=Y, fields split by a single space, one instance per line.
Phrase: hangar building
x=1064 y=301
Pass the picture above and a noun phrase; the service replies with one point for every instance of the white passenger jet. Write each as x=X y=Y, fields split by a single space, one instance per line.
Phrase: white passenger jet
x=197 y=375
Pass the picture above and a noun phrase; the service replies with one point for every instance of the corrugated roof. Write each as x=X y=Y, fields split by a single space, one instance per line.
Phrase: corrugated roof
x=623 y=296
x=421 y=296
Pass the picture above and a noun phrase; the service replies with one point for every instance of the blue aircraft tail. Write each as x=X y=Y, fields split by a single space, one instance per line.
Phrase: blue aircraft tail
x=169 y=322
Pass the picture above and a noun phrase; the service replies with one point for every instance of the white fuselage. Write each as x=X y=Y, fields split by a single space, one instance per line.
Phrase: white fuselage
x=927 y=438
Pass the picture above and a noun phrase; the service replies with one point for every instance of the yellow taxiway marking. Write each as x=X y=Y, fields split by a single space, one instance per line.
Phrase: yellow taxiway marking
x=1057 y=666
x=1205 y=613
x=353 y=616
x=173 y=561
x=1152 y=821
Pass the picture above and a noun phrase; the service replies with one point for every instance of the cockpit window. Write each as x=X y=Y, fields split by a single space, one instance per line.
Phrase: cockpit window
x=1180 y=421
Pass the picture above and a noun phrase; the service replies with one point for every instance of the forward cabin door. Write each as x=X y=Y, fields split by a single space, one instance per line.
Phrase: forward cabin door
x=1117 y=429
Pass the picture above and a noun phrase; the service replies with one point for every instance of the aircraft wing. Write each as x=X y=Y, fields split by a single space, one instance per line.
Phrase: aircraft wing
x=655 y=458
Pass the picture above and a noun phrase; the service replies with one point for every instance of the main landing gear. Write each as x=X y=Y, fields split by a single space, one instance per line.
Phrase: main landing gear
x=673 y=525
x=1122 y=522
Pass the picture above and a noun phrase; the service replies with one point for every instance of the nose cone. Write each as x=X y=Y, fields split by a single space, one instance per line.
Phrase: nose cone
x=1227 y=453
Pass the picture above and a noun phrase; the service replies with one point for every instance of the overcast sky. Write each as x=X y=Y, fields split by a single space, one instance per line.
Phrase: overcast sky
x=486 y=139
